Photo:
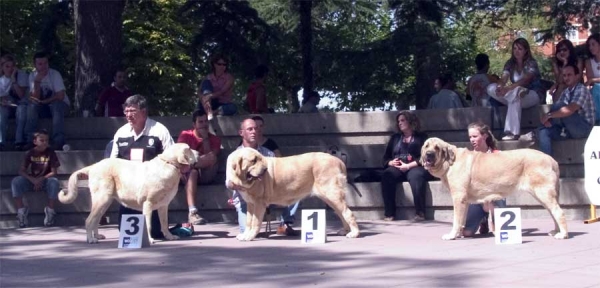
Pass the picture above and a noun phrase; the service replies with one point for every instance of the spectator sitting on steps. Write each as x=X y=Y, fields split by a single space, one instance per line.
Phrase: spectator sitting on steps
x=37 y=173
x=446 y=98
x=110 y=103
x=204 y=171
x=310 y=102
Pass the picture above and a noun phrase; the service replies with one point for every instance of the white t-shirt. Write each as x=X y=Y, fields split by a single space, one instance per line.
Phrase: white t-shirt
x=6 y=83
x=52 y=83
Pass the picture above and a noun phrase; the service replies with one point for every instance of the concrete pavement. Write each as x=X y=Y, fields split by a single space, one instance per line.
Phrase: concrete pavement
x=395 y=254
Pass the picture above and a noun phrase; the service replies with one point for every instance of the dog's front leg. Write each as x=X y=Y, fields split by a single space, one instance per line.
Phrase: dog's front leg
x=254 y=220
x=460 y=215
x=163 y=216
x=147 y=211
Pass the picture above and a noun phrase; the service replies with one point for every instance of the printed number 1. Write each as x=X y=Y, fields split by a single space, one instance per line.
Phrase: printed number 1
x=135 y=228
x=511 y=218
x=314 y=217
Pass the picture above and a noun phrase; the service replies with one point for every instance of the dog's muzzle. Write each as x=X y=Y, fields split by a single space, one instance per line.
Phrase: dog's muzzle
x=250 y=177
x=429 y=159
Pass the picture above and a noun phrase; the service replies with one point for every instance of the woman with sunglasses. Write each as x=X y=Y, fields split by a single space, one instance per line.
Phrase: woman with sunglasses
x=565 y=54
x=592 y=70
x=216 y=91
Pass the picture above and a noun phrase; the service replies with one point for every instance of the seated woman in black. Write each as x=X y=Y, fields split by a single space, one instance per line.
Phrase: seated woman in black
x=401 y=164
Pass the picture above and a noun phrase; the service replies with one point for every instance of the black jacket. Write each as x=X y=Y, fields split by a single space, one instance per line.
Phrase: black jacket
x=414 y=148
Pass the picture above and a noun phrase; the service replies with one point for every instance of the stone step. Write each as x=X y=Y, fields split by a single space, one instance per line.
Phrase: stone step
x=300 y=124
x=212 y=200
x=567 y=152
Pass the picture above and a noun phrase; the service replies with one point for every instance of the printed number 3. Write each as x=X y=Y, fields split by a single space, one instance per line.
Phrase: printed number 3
x=314 y=217
x=134 y=227
x=511 y=218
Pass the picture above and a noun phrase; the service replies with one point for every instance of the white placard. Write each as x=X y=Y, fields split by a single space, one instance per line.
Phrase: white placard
x=314 y=229
x=507 y=224
x=133 y=233
x=136 y=154
x=591 y=164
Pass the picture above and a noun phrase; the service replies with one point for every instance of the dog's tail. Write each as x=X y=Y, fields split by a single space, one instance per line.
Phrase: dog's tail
x=70 y=195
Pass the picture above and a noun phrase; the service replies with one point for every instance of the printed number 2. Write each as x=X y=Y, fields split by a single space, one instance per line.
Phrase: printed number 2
x=135 y=228
x=314 y=217
x=511 y=218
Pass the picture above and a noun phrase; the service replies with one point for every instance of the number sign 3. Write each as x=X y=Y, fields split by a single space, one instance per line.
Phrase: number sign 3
x=133 y=231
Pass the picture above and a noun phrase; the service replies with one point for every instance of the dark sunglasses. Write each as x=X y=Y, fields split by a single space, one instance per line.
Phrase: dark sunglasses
x=221 y=64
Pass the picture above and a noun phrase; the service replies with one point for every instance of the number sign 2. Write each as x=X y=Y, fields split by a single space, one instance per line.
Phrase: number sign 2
x=314 y=229
x=508 y=226
x=133 y=231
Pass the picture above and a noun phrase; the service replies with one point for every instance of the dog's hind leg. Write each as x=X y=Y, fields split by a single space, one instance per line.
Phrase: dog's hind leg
x=100 y=203
x=335 y=198
x=549 y=199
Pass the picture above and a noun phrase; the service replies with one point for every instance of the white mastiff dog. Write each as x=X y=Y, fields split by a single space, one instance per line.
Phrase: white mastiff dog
x=483 y=177
x=286 y=180
x=143 y=186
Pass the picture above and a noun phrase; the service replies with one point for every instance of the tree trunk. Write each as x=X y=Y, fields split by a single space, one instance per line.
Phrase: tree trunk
x=428 y=61
x=306 y=44
x=98 y=33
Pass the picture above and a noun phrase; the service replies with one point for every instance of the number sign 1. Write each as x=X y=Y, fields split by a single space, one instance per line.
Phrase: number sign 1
x=314 y=229
x=133 y=232
x=507 y=222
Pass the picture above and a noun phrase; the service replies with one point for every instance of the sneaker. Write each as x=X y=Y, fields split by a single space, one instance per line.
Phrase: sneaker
x=391 y=218
x=419 y=218
x=528 y=137
x=523 y=92
x=286 y=230
x=509 y=137
x=484 y=227
x=196 y=219
x=22 y=216
x=49 y=219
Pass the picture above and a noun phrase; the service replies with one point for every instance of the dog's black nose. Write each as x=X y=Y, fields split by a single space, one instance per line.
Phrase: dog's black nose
x=430 y=153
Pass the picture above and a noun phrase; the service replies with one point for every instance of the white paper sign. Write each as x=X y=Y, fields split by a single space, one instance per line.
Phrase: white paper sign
x=133 y=233
x=507 y=223
x=314 y=229
x=136 y=154
x=591 y=164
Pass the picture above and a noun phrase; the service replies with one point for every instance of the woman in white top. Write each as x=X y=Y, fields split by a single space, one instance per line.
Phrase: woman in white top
x=592 y=71
x=524 y=92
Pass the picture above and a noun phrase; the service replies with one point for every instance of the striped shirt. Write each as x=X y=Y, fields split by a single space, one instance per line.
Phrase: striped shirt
x=582 y=96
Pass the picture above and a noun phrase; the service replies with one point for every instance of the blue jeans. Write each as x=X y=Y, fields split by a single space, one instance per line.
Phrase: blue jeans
x=575 y=127
x=20 y=117
x=286 y=217
x=57 y=111
x=20 y=185
x=476 y=214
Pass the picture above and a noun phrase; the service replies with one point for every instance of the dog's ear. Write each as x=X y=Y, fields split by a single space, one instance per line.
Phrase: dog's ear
x=237 y=166
x=449 y=154
x=186 y=157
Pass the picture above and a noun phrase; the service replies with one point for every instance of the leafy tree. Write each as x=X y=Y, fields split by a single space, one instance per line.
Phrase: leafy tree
x=99 y=34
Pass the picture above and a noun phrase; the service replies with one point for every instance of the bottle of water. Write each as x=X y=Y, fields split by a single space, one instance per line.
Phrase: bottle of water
x=66 y=147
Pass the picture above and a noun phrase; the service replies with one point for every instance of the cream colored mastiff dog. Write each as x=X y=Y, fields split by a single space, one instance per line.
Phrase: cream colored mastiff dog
x=283 y=181
x=483 y=177
x=143 y=186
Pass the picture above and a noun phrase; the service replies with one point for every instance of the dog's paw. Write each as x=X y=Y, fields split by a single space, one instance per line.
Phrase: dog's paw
x=170 y=236
x=100 y=237
x=342 y=232
x=92 y=240
x=560 y=235
x=245 y=237
x=352 y=234
x=449 y=236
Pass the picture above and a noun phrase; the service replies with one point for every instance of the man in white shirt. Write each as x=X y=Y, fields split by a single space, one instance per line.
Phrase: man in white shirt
x=13 y=100
x=47 y=98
